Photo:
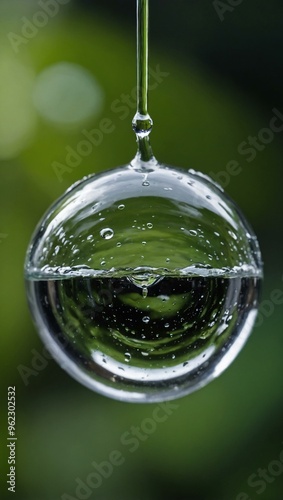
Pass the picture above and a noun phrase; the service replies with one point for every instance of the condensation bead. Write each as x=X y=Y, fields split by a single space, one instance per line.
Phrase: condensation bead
x=143 y=281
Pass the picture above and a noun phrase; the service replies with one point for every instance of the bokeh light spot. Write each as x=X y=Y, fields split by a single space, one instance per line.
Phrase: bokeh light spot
x=67 y=95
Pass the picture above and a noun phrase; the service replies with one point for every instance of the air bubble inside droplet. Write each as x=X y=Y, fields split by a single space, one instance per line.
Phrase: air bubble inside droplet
x=164 y=298
x=107 y=233
x=146 y=319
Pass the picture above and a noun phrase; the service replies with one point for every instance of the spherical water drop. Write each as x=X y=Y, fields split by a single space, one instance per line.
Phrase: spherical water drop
x=158 y=298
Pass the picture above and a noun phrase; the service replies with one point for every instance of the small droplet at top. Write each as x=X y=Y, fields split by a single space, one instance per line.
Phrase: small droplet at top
x=142 y=125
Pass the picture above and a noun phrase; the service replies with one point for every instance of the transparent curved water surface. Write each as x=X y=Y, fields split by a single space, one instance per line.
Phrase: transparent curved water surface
x=143 y=281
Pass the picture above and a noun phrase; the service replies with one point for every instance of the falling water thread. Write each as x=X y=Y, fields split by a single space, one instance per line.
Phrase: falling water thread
x=142 y=122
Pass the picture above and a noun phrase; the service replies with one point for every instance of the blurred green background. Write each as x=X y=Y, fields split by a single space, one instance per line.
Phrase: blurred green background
x=65 y=66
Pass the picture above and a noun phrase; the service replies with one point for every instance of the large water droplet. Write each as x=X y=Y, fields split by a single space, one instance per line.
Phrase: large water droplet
x=164 y=307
